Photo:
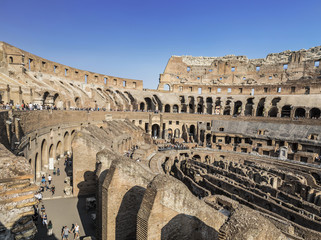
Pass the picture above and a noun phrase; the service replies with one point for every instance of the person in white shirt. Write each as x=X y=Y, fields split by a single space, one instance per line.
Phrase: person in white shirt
x=49 y=179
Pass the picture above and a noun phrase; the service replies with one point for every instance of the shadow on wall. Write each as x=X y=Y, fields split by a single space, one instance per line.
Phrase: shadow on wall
x=126 y=220
x=85 y=214
x=185 y=226
x=88 y=186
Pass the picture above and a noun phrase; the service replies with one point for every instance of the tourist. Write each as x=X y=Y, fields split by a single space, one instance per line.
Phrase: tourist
x=43 y=179
x=42 y=210
x=53 y=189
x=58 y=172
x=49 y=228
x=66 y=232
x=76 y=231
x=44 y=219
x=49 y=179
x=54 y=171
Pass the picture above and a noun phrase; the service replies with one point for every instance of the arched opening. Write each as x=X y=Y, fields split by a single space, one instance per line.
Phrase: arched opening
x=300 y=113
x=315 y=113
x=56 y=99
x=286 y=111
x=142 y=106
x=208 y=159
x=159 y=103
x=227 y=109
x=273 y=112
x=249 y=107
x=192 y=131
x=209 y=105
x=44 y=155
x=177 y=133
x=175 y=109
x=170 y=133
x=59 y=150
x=67 y=142
x=197 y=157
x=199 y=108
x=260 y=108
x=237 y=108
x=208 y=139
x=167 y=108
x=155 y=131
x=183 y=104
x=77 y=102
x=51 y=151
x=150 y=105
x=73 y=132
x=10 y=59
x=191 y=104
x=44 y=98
x=167 y=87
x=218 y=106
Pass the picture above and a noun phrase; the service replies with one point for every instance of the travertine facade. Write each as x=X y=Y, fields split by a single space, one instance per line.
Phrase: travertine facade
x=244 y=135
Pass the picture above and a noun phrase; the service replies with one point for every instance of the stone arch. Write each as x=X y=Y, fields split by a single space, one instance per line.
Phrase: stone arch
x=59 y=149
x=249 y=107
x=73 y=132
x=67 y=142
x=51 y=151
x=44 y=155
x=315 y=113
x=192 y=131
x=167 y=108
x=155 y=130
x=300 y=112
x=167 y=87
x=78 y=102
x=218 y=105
x=208 y=138
x=227 y=109
x=10 y=59
x=200 y=105
x=209 y=105
x=260 y=108
x=170 y=133
x=191 y=104
x=177 y=133
x=142 y=106
x=273 y=112
x=286 y=111
x=197 y=157
x=175 y=109
x=237 y=108
x=159 y=103
x=149 y=104
x=45 y=98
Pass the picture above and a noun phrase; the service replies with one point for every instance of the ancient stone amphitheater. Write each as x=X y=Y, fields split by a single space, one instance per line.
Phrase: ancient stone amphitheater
x=225 y=148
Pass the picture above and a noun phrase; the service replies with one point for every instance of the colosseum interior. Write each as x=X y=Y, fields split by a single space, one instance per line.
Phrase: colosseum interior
x=225 y=148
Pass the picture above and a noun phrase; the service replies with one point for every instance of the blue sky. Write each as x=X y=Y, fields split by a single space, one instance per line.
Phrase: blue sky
x=135 y=38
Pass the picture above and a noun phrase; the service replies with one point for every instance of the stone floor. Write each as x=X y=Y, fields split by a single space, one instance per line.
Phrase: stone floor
x=64 y=210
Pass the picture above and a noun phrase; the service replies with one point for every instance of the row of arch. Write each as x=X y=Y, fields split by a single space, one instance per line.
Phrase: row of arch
x=41 y=160
x=232 y=108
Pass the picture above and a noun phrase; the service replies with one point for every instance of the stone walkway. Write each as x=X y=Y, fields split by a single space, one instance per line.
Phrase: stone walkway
x=63 y=210
x=66 y=211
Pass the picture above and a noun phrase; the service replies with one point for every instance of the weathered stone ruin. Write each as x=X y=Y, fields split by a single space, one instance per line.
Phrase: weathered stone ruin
x=226 y=147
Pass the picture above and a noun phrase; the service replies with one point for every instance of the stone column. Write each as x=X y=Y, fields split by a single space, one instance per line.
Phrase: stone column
x=150 y=123
x=161 y=128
